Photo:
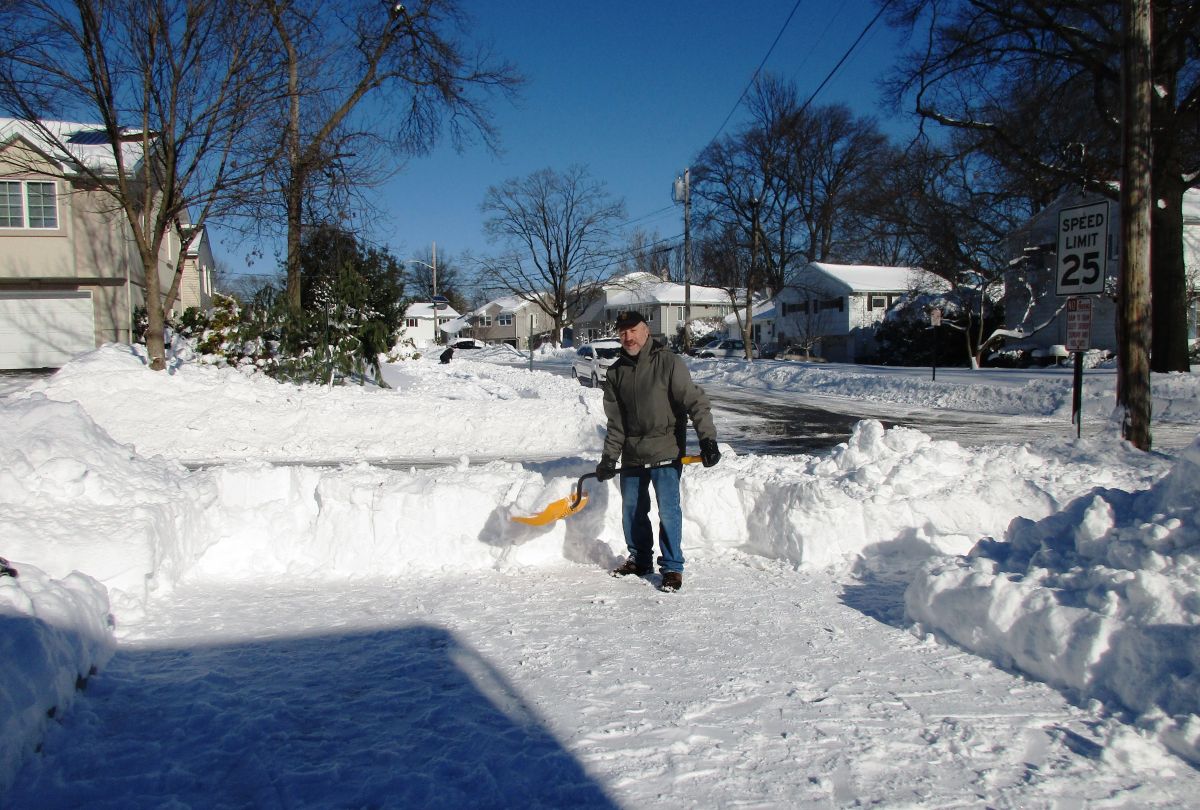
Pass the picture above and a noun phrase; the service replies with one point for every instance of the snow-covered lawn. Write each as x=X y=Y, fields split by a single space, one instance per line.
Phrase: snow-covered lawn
x=365 y=635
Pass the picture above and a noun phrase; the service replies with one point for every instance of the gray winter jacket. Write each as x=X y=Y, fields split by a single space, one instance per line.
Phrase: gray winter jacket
x=648 y=401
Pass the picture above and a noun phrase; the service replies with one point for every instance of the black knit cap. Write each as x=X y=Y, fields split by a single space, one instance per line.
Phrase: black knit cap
x=629 y=319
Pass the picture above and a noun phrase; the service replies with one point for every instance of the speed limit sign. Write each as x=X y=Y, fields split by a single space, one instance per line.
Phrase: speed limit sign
x=1082 y=249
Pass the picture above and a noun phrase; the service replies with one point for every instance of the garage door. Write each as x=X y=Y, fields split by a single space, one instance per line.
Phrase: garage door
x=45 y=329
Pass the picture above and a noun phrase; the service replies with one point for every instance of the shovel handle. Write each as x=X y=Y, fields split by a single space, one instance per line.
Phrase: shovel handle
x=577 y=495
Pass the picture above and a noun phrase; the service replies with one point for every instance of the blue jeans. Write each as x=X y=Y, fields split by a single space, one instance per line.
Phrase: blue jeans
x=635 y=516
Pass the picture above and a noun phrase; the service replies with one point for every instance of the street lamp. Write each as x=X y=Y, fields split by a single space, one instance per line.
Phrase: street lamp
x=438 y=301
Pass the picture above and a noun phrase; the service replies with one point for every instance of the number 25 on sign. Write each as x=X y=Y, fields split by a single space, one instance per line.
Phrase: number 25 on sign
x=1082 y=249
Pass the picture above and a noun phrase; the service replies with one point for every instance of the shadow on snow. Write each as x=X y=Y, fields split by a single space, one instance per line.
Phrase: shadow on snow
x=405 y=717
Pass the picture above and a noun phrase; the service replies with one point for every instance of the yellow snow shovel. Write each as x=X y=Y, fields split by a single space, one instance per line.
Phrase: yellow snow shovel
x=565 y=507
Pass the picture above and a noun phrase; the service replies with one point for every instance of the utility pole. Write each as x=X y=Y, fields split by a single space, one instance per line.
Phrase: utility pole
x=1133 y=378
x=751 y=277
x=683 y=193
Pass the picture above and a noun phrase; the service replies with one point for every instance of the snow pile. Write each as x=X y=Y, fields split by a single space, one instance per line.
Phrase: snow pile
x=54 y=634
x=200 y=413
x=73 y=499
x=366 y=521
x=887 y=497
x=1101 y=598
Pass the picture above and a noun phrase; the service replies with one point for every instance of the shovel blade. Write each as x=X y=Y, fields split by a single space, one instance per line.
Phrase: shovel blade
x=555 y=511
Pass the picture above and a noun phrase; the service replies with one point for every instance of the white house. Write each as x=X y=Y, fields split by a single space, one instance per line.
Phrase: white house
x=833 y=308
x=421 y=321
x=662 y=303
x=763 y=328
x=1030 y=299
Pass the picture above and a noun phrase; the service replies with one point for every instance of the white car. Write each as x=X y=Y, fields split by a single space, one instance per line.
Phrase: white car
x=728 y=348
x=593 y=359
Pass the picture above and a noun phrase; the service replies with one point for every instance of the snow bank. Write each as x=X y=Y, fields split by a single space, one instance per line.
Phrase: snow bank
x=72 y=499
x=887 y=497
x=201 y=413
x=60 y=632
x=1101 y=598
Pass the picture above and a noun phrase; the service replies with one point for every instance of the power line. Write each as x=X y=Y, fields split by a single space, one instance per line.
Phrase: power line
x=736 y=104
x=757 y=70
x=750 y=84
x=846 y=55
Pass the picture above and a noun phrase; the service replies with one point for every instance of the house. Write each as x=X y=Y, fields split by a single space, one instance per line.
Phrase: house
x=423 y=318
x=70 y=275
x=833 y=308
x=196 y=283
x=512 y=320
x=763 y=326
x=1030 y=298
x=662 y=303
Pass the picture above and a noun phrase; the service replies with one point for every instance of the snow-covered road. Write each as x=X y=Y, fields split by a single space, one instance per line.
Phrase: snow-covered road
x=756 y=686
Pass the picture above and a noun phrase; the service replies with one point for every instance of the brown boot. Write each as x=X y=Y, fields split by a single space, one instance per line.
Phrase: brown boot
x=671 y=581
x=630 y=566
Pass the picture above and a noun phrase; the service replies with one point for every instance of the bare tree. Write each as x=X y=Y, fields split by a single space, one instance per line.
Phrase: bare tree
x=1040 y=81
x=451 y=283
x=173 y=85
x=728 y=262
x=646 y=253
x=334 y=56
x=557 y=228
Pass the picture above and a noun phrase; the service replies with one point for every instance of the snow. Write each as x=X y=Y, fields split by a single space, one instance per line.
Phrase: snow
x=304 y=596
x=867 y=278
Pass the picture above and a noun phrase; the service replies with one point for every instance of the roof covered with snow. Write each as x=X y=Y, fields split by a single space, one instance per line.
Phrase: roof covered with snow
x=424 y=309
x=868 y=278
x=71 y=144
x=646 y=288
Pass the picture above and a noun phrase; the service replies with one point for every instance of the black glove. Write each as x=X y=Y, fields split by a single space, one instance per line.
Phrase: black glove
x=606 y=469
x=709 y=453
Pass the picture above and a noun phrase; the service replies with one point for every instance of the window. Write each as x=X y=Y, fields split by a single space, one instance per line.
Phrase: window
x=37 y=198
x=679 y=313
x=504 y=319
x=877 y=302
x=485 y=321
x=411 y=323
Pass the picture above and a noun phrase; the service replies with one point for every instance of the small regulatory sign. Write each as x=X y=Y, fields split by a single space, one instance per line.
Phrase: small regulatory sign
x=1079 y=324
x=1082 y=249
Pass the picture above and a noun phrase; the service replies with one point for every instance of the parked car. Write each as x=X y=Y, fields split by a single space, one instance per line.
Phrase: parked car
x=593 y=359
x=695 y=350
x=728 y=348
x=466 y=343
x=794 y=352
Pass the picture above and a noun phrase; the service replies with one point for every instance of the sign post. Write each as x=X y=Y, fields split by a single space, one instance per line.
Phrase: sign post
x=1079 y=338
x=1082 y=267
x=935 y=320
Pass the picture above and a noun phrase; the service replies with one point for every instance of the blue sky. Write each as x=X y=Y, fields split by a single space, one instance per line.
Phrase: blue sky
x=632 y=90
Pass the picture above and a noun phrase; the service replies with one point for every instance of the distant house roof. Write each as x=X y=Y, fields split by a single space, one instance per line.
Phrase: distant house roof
x=424 y=309
x=73 y=144
x=869 y=278
x=645 y=288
